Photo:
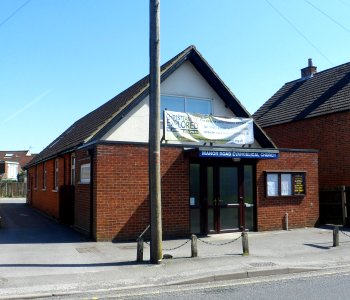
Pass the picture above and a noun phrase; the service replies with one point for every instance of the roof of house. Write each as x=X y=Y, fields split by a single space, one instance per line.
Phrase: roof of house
x=324 y=93
x=94 y=125
x=23 y=157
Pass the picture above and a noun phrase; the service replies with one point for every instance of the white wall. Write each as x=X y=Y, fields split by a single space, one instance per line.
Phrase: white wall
x=185 y=81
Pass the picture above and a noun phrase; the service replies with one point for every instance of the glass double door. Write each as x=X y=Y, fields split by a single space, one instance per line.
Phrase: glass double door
x=229 y=198
x=221 y=198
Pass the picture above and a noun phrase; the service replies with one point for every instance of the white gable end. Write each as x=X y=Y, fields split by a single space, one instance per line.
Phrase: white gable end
x=185 y=81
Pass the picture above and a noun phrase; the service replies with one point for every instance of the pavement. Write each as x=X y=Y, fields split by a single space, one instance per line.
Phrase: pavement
x=40 y=257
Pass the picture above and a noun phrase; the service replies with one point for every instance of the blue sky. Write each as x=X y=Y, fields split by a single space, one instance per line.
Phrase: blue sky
x=60 y=59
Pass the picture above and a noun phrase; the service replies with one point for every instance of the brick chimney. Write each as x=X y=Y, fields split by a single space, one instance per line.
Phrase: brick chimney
x=309 y=71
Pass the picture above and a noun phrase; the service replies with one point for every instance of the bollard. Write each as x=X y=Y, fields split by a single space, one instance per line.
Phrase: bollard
x=194 y=249
x=286 y=221
x=139 y=250
x=245 y=244
x=336 y=236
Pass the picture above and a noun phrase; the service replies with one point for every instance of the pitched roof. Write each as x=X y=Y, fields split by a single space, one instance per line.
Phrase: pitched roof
x=324 y=93
x=21 y=156
x=94 y=125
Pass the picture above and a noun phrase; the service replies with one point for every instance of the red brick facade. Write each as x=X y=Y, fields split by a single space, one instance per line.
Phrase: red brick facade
x=42 y=193
x=303 y=211
x=329 y=134
x=121 y=193
x=115 y=204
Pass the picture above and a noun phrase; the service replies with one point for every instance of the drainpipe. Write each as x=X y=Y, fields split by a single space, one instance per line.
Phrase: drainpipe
x=91 y=153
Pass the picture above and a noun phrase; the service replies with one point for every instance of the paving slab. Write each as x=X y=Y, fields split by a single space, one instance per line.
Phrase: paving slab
x=39 y=255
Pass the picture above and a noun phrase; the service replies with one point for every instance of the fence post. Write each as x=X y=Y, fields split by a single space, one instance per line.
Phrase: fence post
x=245 y=244
x=194 y=249
x=336 y=236
x=139 y=257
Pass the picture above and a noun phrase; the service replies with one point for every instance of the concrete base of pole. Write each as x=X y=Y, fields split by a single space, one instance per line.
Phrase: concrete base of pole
x=245 y=243
x=194 y=249
x=336 y=236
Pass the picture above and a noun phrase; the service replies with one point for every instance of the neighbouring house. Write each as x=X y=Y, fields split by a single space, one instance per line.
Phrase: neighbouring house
x=12 y=163
x=95 y=174
x=313 y=112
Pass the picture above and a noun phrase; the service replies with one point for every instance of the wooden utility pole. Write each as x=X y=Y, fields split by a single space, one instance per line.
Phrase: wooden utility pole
x=154 y=136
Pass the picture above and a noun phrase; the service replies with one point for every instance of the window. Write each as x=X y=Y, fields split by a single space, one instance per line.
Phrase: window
x=85 y=173
x=44 y=176
x=12 y=170
x=36 y=177
x=186 y=104
x=72 y=169
x=56 y=175
x=285 y=184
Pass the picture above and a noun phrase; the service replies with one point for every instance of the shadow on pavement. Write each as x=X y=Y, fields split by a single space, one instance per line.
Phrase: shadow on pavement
x=318 y=246
x=20 y=224
x=112 y=264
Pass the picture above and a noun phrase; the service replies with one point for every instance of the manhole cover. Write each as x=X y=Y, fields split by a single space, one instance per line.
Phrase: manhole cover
x=87 y=250
x=263 y=264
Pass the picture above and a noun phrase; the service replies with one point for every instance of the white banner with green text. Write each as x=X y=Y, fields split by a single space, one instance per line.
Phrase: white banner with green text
x=179 y=126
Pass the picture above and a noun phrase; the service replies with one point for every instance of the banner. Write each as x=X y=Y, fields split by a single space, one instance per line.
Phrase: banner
x=179 y=126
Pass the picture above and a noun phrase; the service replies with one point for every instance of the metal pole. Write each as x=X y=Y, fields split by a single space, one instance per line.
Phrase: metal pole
x=154 y=136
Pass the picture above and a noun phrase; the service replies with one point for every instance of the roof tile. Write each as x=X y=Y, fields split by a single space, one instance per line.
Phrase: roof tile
x=325 y=93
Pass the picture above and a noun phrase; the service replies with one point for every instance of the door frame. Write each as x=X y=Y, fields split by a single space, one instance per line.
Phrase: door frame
x=203 y=203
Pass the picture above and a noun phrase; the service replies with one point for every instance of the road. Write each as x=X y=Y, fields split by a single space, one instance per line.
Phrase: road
x=326 y=284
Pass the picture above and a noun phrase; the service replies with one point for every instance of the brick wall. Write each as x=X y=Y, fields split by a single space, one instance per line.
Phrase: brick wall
x=303 y=211
x=46 y=198
x=121 y=191
x=328 y=134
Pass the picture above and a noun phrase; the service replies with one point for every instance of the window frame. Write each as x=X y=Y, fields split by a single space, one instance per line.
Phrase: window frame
x=36 y=177
x=55 y=174
x=185 y=104
x=85 y=180
x=44 y=177
x=293 y=176
x=72 y=169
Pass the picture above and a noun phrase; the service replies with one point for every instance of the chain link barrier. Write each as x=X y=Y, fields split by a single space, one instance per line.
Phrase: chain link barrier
x=203 y=241
x=170 y=249
x=344 y=233
x=219 y=244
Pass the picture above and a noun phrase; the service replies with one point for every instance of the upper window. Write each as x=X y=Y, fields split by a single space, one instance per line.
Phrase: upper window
x=186 y=104
x=285 y=184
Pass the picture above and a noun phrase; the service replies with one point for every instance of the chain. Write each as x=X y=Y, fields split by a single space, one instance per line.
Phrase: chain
x=183 y=244
x=203 y=241
x=344 y=233
x=170 y=249
x=221 y=244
